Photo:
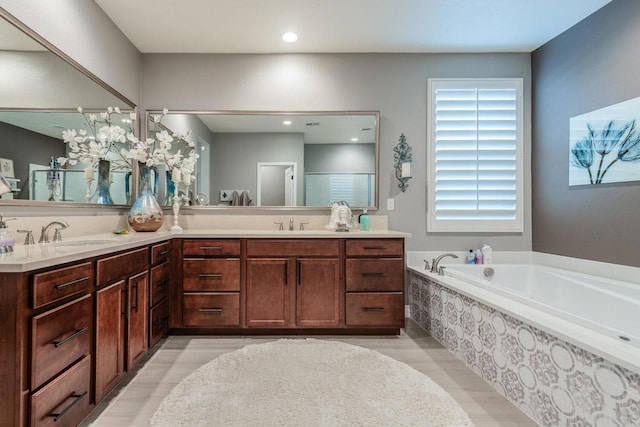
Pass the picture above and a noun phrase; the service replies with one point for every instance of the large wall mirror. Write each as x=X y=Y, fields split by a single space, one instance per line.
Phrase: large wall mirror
x=41 y=89
x=279 y=159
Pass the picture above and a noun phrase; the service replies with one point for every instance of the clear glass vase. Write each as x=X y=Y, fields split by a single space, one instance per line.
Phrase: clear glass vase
x=102 y=195
x=145 y=213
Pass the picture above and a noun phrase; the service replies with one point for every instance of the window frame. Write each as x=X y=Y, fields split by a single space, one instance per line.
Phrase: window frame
x=475 y=225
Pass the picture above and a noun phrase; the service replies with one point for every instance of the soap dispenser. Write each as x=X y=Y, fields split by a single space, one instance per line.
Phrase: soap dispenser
x=7 y=238
x=364 y=221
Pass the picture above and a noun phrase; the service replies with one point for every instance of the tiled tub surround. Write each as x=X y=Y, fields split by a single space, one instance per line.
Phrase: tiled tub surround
x=556 y=372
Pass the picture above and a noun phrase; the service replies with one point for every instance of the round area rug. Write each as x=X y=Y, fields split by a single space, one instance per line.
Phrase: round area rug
x=308 y=382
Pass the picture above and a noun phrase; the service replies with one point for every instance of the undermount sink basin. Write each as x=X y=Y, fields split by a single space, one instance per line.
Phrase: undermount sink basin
x=77 y=243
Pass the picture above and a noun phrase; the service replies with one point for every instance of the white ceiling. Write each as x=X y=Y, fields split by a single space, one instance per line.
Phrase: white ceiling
x=256 y=26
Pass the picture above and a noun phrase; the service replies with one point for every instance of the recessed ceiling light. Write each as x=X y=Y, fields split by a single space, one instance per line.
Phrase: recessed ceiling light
x=286 y=122
x=290 y=37
x=354 y=139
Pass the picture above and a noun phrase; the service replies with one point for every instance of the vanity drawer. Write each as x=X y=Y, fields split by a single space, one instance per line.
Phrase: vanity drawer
x=297 y=248
x=56 y=285
x=122 y=265
x=160 y=253
x=205 y=309
x=378 y=274
x=211 y=248
x=375 y=247
x=66 y=400
x=375 y=309
x=211 y=274
x=160 y=280
x=60 y=337
x=159 y=322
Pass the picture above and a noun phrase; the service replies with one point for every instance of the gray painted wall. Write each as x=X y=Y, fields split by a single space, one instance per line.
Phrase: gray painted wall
x=339 y=158
x=234 y=158
x=592 y=65
x=24 y=147
x=82 y=30
x=394 y=84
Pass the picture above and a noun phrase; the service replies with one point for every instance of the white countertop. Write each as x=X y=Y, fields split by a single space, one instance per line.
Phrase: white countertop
x=26 y=258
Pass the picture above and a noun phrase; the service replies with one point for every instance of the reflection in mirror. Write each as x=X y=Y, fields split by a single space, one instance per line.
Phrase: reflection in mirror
x=41 y=91
x=281 y=159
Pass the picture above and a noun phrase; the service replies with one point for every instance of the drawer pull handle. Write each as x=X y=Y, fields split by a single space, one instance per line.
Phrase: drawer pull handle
x=374 y=274
x=71 y=283
x=77 y=333
x=160 y=322
x=163 y=253
x=211 y=276
x=210 y=310
x=375 y=248
x=211 y=248
x=374 y=309
x=77 y=399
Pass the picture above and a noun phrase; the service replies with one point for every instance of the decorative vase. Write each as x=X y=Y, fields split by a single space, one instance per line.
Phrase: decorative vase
x=145 y=213
x=102 y=195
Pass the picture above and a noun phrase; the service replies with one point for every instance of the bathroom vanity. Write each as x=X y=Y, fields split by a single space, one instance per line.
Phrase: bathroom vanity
x=75 y=317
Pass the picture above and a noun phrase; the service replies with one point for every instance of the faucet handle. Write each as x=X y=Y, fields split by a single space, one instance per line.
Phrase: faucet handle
x=28 y=238
x=57 y=237
x=280 y=226
x=441 y=270
x=426 y=264
x=302 y=224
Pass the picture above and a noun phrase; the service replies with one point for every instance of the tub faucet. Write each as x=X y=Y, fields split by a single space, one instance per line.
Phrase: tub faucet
x=57 y=237
x=290 y=224
x=436 y=261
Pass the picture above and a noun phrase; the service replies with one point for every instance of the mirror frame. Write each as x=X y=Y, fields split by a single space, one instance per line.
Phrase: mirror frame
x=11 y=19
x=255 y=209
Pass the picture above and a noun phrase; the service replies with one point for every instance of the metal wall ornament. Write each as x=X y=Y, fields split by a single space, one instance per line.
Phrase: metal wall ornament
x=403 y=162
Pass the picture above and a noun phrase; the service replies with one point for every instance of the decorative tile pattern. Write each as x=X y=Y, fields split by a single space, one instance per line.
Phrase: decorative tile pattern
x=554 y=382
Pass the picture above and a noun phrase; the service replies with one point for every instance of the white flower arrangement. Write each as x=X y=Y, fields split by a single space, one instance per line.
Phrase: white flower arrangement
x=181 y=163
x=104 y=137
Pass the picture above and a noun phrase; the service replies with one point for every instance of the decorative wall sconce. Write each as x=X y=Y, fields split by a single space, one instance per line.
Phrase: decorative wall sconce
x=403 y=162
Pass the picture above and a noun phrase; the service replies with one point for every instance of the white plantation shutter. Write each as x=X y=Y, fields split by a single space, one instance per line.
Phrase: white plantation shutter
x=475 y=155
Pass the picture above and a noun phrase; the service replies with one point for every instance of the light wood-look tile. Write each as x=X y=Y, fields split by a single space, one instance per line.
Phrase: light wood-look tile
x=134 y=402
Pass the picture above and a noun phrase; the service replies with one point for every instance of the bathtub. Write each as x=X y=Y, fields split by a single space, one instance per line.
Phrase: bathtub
x=608 y=306
x=562 y=346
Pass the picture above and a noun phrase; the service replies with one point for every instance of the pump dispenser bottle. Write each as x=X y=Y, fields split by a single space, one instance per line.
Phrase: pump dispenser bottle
x=364 y=220
x=7 y=238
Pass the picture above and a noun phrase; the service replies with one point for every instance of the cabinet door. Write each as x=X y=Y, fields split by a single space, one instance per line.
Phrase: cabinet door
x=318 y=293
x=268 y=293
x=110 y=320
x=137 y=310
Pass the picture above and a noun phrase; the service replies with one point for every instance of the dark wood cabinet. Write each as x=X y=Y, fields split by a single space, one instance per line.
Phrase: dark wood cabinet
x=110 y=336
x=268 y=293
x=137 y=335
x=293 y=284
x=374 y=283
x=122 y=315
x=211 y=282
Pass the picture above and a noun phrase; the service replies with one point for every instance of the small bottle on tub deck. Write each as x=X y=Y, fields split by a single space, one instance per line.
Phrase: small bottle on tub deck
x=478 y=254
x=471 y=257
x=487 y=254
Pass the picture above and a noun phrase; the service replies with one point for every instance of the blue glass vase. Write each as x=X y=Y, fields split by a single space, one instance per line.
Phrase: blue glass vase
x=102 y=194
x=145 y=213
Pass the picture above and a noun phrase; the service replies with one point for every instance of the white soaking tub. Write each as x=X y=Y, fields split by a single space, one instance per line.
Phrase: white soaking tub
x=561 y=345
x=609 y=306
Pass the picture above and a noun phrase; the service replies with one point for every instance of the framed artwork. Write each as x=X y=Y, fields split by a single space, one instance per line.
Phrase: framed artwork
x=6 y=168
x=604 y=145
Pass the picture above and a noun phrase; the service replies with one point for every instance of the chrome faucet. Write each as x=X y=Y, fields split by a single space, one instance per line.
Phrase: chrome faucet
x=57 y=237
x=290 y=224
x=436 y=261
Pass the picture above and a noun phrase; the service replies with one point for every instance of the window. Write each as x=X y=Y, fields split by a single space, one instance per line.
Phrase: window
x=475 y=155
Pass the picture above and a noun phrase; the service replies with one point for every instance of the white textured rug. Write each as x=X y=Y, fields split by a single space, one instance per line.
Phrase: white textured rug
x=308 y=382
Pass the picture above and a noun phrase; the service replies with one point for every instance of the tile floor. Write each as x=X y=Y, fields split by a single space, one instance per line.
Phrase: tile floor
x=135 y=401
